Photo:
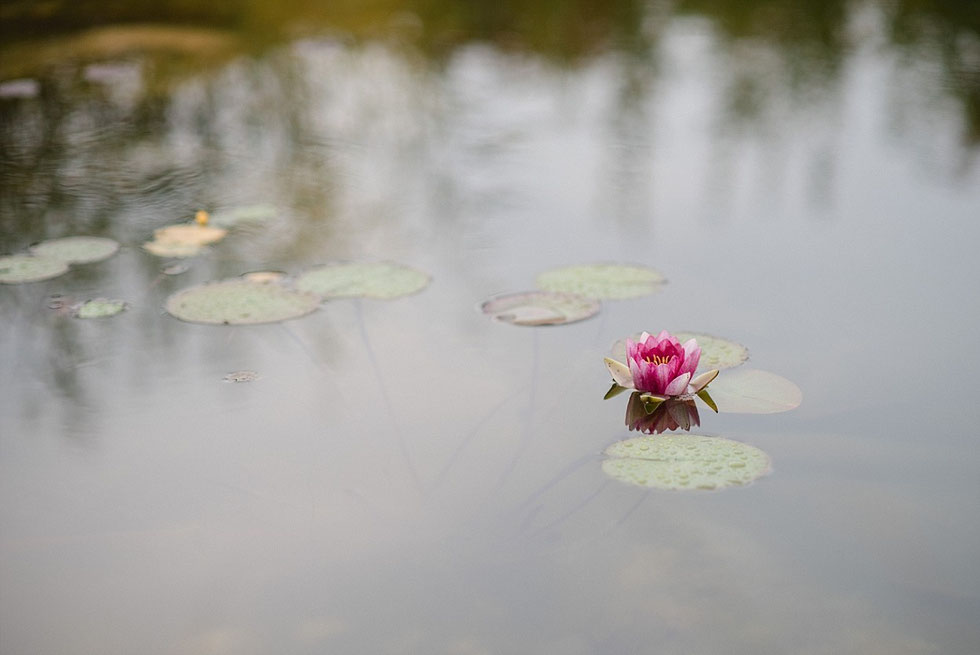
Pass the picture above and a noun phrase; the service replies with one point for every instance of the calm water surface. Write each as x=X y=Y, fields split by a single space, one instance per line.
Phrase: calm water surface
x=410 y=477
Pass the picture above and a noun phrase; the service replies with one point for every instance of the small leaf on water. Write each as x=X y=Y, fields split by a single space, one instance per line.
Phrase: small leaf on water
x=242 y=376
x=684 y=462
x=603 y=281
x=539 y=308
x=99 y=308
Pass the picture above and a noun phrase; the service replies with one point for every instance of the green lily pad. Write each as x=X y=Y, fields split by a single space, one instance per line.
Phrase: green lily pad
x=250 y=214
x=99 y=308
x=716 y=353
x=240 y=302
x=77 y=250
x=17 y=269
x=534 y=308
x=381 y=280
x=684 y=462
x=750 y=391
x=603 y=281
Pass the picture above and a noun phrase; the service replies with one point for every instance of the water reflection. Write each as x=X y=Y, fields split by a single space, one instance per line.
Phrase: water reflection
x=667 y=416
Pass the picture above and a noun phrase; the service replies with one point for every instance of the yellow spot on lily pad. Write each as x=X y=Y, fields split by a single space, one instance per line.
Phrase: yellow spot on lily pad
x=603 y=281
x=684 y=462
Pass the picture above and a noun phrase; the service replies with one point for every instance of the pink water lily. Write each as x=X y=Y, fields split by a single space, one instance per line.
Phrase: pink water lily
x=661 y=365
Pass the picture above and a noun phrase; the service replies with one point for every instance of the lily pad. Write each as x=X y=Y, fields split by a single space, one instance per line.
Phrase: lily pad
x=603 y=281
x=240 y=302
x=240 y=215
x=190 y=234
x=17 y=269
x=77 y=250
x=684 y=462
x=99 y=308
x=751 y=391
x=716 y=353
x=540 y=308
x=173 y=249
x=381 y=280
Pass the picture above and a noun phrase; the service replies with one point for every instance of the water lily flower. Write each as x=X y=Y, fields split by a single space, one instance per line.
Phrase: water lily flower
x=661 y=366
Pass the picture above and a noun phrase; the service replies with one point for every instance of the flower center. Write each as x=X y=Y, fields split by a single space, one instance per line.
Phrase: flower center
x=658 y=359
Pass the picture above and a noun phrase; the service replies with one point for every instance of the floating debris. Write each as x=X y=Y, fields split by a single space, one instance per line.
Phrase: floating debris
x=99 y=308
x=176 y=268
x=242 y=376
x=77 y=250
x=381 y=280
x=18 y=269
x=603 y=281
x=684 y=462
x=533 y=308
x=240 y=302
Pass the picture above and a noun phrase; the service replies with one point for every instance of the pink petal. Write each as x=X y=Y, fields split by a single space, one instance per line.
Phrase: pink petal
x=692 y=356
x=678 y=385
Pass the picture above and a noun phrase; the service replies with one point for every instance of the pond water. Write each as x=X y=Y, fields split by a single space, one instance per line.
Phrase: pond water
x=409 y=476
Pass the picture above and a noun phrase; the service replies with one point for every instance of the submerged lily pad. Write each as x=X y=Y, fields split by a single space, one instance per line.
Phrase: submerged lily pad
x=99 y=308
x=716 y=353
x=77 y=250
x=246 y=214
x=684 y=462
x=540 y=308
x=603 y=281
x=17 y=269
x=750 y=391
x=381 y=280
x=240 y=302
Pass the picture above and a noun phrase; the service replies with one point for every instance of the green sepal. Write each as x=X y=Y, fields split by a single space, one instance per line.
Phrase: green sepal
x=708 y=400
x=651 y=402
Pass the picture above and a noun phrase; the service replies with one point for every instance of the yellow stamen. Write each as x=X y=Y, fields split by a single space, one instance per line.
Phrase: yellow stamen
x=658 y=359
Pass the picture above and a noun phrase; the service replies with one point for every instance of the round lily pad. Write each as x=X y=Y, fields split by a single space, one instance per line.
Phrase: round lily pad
x=99 y=308
x=173 y=249
x=684 y=462
x=716 y=352
x=240 y=302
x=750 y=391
x=16 y=269
x=77 y=250
x=540 y=308
x=189 y=234
x=380 y=280
x=603 y=281
x=240 y=215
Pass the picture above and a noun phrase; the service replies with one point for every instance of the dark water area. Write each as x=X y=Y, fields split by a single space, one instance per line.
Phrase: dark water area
x=407 y=476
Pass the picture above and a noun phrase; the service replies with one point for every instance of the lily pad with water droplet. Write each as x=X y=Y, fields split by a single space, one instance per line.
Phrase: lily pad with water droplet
x=751 y=391
x=17 y=269
x=716 y=353
x=603 y=281
x=99 y=308
x=240 y=302
x=250 y=214
x=684 y=462
x=77 y=250
x=381 y=280
x=534 y=308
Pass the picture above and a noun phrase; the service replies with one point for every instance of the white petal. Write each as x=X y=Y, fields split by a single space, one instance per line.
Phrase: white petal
x=703 y=380
x=678 y=385
x=620 y=373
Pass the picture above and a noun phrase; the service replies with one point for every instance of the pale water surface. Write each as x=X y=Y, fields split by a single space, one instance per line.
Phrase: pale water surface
x=411 y=477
